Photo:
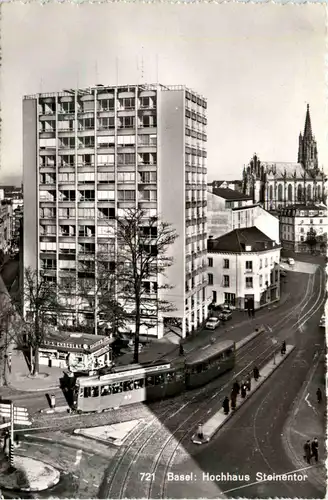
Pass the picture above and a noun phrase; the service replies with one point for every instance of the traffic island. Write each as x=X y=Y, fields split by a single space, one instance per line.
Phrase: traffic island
x=27 y=474
x=115 y=434
x=211 y=426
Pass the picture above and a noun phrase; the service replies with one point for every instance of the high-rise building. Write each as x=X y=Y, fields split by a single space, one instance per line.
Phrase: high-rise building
x=91 y=153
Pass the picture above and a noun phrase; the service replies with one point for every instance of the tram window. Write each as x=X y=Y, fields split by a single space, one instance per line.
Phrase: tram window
x=128 y=385
x=117 y=387
x=159 y=379
x=199 y=368
x=138 y=384
x=95 y=392
x=228 y=352
x=169 y=377
x=179 y=375
x=150 y=380
x=106 y=390
x=87 y=392
x=81 y=392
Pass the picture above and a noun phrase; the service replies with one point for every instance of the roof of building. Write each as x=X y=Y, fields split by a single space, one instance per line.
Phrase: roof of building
x=69 y=341
x=230 y=194
x=237 y=240
x=292 y=169
x=305 y=207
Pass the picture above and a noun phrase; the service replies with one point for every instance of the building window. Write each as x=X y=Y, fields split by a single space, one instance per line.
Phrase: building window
x=249 y=282
x=260 y=263
x=302 y=230
x=214 y=296
x=290 y=192
x=261 y=280
x=249 y=265
x=230 y=298
x=148 y=177
x=126 y=195
x=280 y=192
x=266 y=262
x=126 y=177
x=302 y=238
x=210 y=279
x=105 y=177
x=226 y=263
x=311 y=221
x=226 y=281
x=210 y=262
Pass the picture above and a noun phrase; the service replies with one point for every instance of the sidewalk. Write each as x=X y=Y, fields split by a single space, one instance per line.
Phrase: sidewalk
x=308 y=420
x=20 y=378
x=217 y=420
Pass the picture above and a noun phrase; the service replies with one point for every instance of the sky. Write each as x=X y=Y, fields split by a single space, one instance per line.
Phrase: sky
x=257 y=65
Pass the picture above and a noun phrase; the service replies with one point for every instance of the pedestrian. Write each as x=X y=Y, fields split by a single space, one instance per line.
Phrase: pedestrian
x=200 y=433
x=253 y=312
x=181 y=350
x=53 y=401
x=283 y=348
x=233 y=398
x=226 y=405
x=319 y=395
x=315 y=449
x=236 y=387
x=249 y=312
x=307 y=451
x=243 y=391
x=248 y=383
x=256 y=373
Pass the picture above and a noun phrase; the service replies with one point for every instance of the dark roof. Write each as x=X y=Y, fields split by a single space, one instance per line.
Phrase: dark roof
x=304 y=207
x=237 y=240
x=230 y=194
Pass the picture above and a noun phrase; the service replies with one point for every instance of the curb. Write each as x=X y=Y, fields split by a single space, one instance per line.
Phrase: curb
x=195 y=439
x=110 y=440
x=50 y=388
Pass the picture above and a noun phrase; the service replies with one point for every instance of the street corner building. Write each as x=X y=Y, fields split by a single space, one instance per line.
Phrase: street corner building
x=88 y=155
x=243 y=269
x=279 y=184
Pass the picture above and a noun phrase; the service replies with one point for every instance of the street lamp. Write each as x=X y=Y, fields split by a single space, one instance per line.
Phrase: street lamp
x=274 y=341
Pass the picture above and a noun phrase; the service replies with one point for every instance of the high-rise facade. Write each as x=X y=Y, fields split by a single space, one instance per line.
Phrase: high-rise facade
x=89 y=154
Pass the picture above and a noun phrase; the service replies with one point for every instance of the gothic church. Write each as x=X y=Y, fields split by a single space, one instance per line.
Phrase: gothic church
x=276 y=185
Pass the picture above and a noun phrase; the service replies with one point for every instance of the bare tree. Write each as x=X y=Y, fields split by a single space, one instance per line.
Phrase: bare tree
x=95 y=296
x=141 y=257
x=42 y=312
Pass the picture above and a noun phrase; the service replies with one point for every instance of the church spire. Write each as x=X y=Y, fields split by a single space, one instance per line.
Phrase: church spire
x=307 y=147
x=307 y=127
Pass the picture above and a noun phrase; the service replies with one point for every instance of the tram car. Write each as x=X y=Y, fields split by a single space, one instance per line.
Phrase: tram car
x=149 y=382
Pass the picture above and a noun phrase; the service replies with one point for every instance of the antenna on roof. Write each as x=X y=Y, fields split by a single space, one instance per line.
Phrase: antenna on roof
x=157 y=78
x=142 y=65
x=116 y=63
x=96 y=72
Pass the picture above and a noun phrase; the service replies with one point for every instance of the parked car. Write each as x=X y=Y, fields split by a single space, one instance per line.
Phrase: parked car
x=322 y=322
x=212 y=323
x=225 y=315
x=229 y=307
x=291 y=261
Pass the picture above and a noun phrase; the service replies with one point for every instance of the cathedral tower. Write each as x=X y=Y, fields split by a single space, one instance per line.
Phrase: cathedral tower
x=307 y=148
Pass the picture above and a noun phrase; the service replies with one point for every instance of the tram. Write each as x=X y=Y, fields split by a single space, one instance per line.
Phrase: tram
x=149 y=382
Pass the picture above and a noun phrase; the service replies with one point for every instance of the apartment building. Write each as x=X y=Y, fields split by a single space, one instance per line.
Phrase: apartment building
x=91 y=153
x=303 y=228
x=228 y=209
x=243 y=269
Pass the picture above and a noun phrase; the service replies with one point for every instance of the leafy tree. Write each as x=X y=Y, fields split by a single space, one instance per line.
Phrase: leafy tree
x=311 y=239
x=141 y=257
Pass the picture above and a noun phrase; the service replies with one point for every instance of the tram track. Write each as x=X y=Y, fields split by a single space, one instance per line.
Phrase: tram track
x=160 y=483
x=183 y=404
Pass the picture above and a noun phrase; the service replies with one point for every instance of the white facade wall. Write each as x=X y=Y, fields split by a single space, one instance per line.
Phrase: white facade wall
x=262 y=265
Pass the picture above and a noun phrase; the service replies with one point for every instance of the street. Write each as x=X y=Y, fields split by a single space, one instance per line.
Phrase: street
x=251 y=442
